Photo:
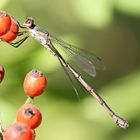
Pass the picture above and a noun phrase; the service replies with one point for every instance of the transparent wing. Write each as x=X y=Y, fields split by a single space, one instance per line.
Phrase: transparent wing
x=85 y=60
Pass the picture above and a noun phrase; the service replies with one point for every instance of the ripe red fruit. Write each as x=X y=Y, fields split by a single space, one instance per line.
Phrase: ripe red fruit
x=34 y=134
x=18 y=131
x=34 y=83
x=5 y=22
x=30 y=115
x=12 y=33
x=8 y=27
x=2 y=71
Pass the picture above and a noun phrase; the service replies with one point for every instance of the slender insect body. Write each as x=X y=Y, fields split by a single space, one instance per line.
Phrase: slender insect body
x=88 y=62
x=118 y=120
x=41 y=37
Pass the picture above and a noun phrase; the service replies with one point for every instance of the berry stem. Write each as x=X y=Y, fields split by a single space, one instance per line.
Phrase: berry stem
x=29 y=100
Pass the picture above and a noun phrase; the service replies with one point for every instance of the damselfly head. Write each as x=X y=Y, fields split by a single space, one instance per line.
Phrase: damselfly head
x=29 y=22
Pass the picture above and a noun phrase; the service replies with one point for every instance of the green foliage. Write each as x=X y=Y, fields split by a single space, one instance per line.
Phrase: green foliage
x=109 y=29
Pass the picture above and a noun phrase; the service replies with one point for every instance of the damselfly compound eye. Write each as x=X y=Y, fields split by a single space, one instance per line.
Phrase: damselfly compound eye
x=29 y=22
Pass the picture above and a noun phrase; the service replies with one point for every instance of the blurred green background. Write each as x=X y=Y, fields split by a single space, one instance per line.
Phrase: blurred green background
x=108 y=28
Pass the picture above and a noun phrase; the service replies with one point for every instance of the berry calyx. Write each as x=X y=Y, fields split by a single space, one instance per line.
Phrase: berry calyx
x=30 y=115
x=34 y=83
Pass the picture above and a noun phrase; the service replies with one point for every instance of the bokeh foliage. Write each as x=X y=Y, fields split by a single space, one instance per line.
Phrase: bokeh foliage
x=107 y=28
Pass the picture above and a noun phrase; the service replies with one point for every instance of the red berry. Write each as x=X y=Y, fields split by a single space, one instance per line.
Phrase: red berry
x=2 y=71
x=18 y=131
x=30 y=115
x=34 y=83
x=34 y=134
x=5 y=22
x=12 y=33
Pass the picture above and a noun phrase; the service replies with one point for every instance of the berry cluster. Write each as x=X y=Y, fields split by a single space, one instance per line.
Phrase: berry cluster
x=8 y=27
x=28 y=117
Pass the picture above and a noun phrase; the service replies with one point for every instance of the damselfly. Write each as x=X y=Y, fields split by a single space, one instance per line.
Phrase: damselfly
x=86 y=61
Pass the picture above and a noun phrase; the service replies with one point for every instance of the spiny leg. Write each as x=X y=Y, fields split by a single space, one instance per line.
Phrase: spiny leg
x=18 y=43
